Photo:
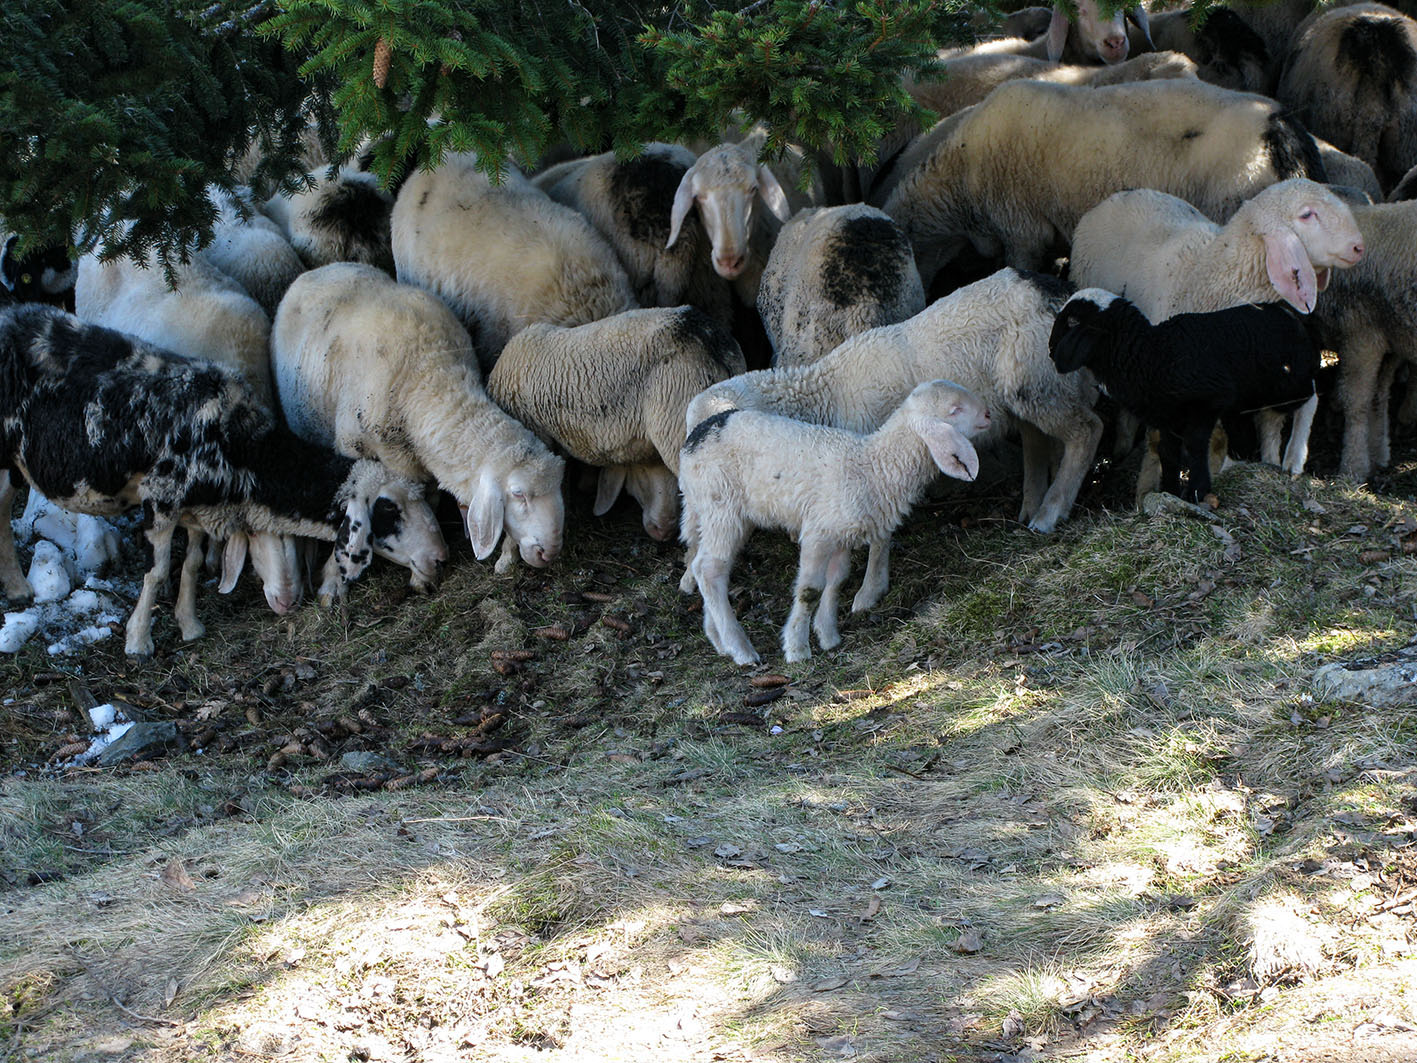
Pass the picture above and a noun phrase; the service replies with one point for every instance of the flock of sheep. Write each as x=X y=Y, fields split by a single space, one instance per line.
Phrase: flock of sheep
x=595 y=310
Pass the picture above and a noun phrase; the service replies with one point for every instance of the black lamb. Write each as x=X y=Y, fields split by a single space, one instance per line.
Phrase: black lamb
x=1180 y=376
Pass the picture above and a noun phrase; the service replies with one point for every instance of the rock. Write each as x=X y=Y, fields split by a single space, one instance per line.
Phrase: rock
x=367 y=763
x=1379 y=682
x=139 y=741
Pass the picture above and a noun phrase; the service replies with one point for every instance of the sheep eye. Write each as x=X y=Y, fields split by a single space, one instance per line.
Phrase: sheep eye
x=1306 y=215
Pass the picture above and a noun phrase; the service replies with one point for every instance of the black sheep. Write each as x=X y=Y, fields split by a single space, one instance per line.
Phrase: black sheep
x=1184 y=374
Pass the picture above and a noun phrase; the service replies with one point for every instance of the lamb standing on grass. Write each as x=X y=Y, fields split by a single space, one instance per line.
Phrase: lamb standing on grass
x=372 y=367
x=1184 y=374
x=831 y=489
x=613 y=394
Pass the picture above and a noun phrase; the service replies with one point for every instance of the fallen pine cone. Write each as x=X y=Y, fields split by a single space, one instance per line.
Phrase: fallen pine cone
x=514 y=655
x=1372 y=557
x=505 y=667
x=616 y=623
x=769 y=681
x=552 y=631
x=597 y=596
x=73 y=749
x=764 y=696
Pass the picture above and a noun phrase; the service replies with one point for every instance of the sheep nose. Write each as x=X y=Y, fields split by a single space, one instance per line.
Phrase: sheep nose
x=281 y=602
x=1115 y=46
x=1357 y=252
x=729 y=266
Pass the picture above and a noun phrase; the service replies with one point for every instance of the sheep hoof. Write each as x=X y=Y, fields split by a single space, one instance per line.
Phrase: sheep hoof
x=143 y=649
x=864 y=602
x=196 y=631
x=1043 y=525
x=794 y=654
x=1211 y=502
x=687 y=584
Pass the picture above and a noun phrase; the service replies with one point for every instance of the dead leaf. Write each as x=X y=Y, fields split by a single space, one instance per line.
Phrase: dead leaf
x=1049 y=900
x=828 y=984
x=175 y=874
x=788 y=847
x=969 y=942
x=1372 y=557
x=784 y=975
x=1143 y=599
x=734 y=908
x=871 y=909
x=170 y=993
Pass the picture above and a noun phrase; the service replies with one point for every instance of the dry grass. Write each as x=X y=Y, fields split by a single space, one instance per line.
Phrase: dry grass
x=1070 y=795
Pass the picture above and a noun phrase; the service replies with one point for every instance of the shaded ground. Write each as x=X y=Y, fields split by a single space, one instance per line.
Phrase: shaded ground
x=1064 y=798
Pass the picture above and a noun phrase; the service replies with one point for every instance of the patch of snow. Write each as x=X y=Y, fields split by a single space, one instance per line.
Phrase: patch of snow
x=48 y=577
x=88 y=543
x=18 y=628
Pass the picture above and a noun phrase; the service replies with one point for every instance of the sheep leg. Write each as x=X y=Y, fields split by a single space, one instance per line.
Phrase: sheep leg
x=17 y=588
x=507 y=558
x=806 y=592
x=824 y=623
x=690 y=534
x=1380 y=435
x=1079 y=448
x=1152 y=476
x=139 y=640
x=877 y=578
x=1196 y=445
x=720 y=623
x=1270 y=425
x=1169 y=459
x=1296 y=454
x=1037 y=455
x=185 y=611
x=1358 y=372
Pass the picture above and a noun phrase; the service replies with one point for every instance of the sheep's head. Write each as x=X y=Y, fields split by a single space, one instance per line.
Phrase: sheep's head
x=274 y=559
x=653 y=486
x=1306 y=231
x=390 y=516
x=525 y=501
x=932 y=410
x=1076 y=330
x=725 y=183
x=1099 y=38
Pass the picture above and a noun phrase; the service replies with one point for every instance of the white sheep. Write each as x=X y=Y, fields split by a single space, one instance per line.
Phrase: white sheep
x=1167 y=258
x=339 y=218
x=1349 y=171
x=970 y=76
x=372 y=367
x=1013 y=174
x=1370 y=319
x=630 y=203
x=831 y=489
x=834 y=272
x=990 y=337
x=251 y=250
x=209 y=315
x=502 y=255
x=1351 y=78
x=613 y=394
x=1084 y=36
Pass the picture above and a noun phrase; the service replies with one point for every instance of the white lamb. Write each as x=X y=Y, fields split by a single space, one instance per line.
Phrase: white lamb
x=252 y=250
x=502 y=256
x=990 y=337
x=1167 y=258
x=831 y=489
x=376 y=368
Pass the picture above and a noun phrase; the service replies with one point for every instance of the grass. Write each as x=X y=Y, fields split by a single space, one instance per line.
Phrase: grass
x=1071 y=793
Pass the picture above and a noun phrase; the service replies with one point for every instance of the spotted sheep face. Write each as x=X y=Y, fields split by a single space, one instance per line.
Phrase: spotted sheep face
x=403 y=529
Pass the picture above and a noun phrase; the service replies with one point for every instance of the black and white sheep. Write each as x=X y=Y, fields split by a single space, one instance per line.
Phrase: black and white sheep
x=1351 y=78
x=101 y=422
x=613 y=394
x=42 y=275
x=835 y=272
x=502 y=256
x=1013 y=174
x=1182 y=375
x=372 y=367
x=831 y=489
x=339 y=218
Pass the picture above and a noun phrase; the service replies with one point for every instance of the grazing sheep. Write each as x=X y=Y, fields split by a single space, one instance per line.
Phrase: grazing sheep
x=829 y=488
x=631 y=203
x=502 y=256
x=990 y=337
x=251 y=250
x=340 y=218
x=101 y=422
x=1351 y=78
x=1167 y=258
x=971 y=76
x=1013 y=174
x=1370 y=319
x=613 y=394
x=834 y=272
x=377 y=368
x=1184 y=374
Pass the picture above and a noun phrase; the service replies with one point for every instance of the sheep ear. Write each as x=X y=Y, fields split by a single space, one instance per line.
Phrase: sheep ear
x=1057 y=33
x=607 y=489
x=772 y=193
x=1143 y=22
x=353 y=548
x=1290 y=270
x=233 y=560
x=953 y=453
x=683 y=200
x=484 y=517
x=1070 y=349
